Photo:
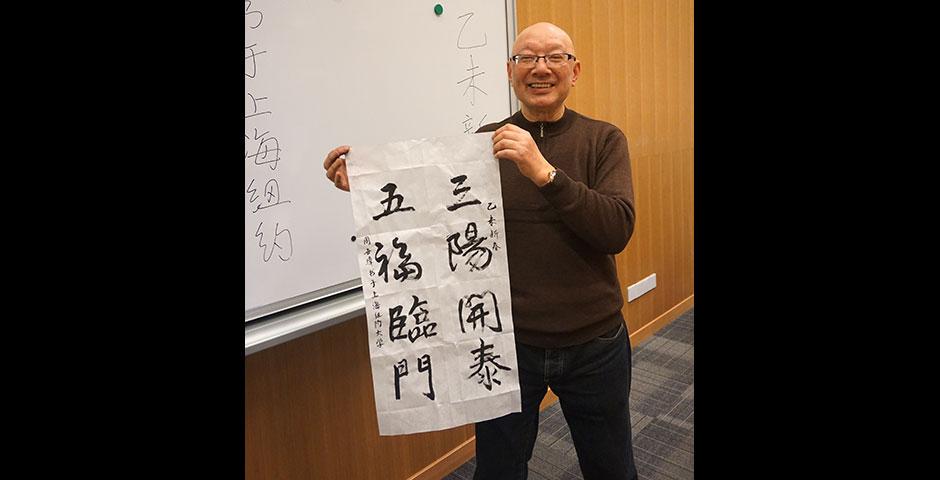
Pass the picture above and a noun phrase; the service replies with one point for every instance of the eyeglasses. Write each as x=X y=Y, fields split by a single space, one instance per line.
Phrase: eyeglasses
x=552 y=59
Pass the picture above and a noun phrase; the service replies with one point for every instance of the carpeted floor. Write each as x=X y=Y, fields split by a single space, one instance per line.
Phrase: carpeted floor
x=661 y=407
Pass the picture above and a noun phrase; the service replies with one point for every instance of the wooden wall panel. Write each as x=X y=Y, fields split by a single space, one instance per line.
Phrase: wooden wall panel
x=310 y=413
x=637 y=70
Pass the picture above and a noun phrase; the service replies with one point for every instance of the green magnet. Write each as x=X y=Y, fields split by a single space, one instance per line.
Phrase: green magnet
x=438 y=9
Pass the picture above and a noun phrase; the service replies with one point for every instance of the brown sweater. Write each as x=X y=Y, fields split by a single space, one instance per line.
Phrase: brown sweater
x=561 y=238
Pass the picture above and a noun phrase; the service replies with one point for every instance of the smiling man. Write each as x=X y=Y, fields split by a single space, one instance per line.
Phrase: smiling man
x=568 y=202
x=568 y=199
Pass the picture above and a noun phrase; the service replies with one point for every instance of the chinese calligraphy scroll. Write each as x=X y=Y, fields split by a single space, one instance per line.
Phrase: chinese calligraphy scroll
x=432 y=257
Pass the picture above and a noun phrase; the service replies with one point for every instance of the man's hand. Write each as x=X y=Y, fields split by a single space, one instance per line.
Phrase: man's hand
x=513 y=143
x=335 y=166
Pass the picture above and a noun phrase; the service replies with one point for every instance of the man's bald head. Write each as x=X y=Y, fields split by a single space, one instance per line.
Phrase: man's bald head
x=544 y=30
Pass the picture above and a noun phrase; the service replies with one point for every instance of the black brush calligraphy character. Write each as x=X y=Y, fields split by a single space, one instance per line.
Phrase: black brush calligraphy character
x=390 y=188
x=423 y=327
x=461 y=192
x=406 y=268
x=475 y=306
x=478 y=258
x=487 y=373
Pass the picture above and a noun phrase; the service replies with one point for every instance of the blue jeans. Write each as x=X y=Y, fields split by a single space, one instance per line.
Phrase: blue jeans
x=592 y=382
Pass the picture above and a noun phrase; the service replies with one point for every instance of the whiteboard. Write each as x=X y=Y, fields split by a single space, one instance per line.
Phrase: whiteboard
x=324 y=73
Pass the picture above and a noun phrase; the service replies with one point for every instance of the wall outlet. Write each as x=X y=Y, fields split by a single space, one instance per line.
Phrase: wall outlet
x=639 y=288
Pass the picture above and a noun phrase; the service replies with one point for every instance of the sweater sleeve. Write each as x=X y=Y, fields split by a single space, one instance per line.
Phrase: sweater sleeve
x=602 y=215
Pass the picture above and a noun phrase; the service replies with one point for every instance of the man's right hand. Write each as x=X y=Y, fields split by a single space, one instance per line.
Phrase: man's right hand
x=335 y=165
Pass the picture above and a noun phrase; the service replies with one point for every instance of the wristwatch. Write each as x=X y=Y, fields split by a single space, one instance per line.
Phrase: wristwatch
x=551 y=176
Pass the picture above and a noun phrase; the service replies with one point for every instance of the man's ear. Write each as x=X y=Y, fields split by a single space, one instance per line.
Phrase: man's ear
x=575 y=72
x=509 y=71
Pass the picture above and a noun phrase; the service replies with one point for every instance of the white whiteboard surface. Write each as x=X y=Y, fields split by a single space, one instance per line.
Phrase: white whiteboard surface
x=323 y=73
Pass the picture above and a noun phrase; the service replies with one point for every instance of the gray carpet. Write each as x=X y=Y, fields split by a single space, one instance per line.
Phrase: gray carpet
x=661 y=407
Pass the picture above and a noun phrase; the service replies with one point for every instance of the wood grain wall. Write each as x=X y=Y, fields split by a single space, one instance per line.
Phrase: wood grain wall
x=309 y=410
x=310 y=414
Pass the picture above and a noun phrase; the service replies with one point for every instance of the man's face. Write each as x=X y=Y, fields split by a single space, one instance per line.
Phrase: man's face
x=543 y=88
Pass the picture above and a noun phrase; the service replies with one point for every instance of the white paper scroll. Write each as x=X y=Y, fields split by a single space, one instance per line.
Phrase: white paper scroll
x=432 y=256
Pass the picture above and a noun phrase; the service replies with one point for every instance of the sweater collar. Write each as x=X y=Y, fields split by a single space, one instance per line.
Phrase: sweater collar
x=545 y=129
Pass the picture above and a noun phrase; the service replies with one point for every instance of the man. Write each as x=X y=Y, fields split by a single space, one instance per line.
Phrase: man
x=568 y=204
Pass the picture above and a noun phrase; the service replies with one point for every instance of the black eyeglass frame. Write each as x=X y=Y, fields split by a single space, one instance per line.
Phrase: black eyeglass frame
x=515 y=58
